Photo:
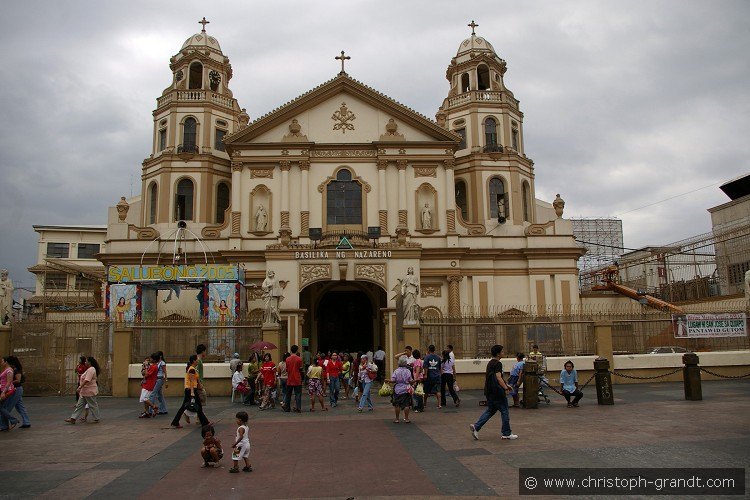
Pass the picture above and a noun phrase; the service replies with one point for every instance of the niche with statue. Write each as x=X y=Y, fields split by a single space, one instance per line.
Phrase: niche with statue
x=261 y=211
x=426 y=213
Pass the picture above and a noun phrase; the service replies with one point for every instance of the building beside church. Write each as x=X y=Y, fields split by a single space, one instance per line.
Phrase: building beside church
x=340 y=192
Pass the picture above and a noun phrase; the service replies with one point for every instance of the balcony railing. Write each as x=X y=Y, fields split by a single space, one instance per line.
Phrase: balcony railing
x=195 y=95
x=187 y=148
x=493 y=148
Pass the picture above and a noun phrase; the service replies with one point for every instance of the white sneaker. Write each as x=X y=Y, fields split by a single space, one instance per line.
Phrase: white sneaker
x=512 y=436
x=474 y=432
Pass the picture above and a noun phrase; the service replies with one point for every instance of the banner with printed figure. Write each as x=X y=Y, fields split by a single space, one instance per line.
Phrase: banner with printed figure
x=222 y=306
x=123 y=303
x=709 y=325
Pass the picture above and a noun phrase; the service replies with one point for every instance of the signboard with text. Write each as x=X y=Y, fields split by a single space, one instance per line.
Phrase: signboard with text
x=191 y=272
x=709 y=325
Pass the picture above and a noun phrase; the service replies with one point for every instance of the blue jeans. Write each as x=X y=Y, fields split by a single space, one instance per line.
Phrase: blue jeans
x=297 y=389
x=158 y=394
x=20 y=408
x=365 y=397
x=493 y=406
x=334 y=386
x=6 y=419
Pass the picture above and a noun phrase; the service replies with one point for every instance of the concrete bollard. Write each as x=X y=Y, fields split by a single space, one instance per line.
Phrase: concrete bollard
x=530 y=384
x=604 y=395
x=691 y=376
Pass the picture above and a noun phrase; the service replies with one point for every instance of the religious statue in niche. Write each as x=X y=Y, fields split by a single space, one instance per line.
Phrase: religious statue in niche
x=272 y=296
x=426 y=217
x=261 y=219
x=6 y=297
x=409 y=293
x=214 y=78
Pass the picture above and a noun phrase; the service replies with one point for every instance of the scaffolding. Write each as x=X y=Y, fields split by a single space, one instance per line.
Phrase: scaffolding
x=602 y=239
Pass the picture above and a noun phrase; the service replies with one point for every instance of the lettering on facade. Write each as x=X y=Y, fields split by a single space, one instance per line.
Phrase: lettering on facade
x=340 y=254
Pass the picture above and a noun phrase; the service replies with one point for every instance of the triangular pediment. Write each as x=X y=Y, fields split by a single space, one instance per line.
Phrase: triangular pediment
x=341 y=110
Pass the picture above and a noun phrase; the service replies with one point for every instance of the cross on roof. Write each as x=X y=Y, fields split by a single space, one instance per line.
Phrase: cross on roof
x=342 y=58
x=204 y=23
x=472 y=25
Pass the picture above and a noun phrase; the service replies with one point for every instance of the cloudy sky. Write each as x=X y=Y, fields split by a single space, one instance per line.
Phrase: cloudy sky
x=626 y=103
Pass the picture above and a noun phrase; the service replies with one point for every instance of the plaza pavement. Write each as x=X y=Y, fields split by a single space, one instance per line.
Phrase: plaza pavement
x=344 y=454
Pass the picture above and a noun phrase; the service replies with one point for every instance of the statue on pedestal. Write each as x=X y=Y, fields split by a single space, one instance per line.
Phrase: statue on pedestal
x=6 y=297
x=272 y=295
x=409 y=293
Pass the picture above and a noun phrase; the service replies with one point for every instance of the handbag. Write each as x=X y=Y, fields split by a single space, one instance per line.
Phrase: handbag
x=372 y=375
x=456 y=387
x=386 y=390
x=419 y=391
x=192 y=406
x=242 y=388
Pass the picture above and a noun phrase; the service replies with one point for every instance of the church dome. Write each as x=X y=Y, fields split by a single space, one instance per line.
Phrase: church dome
x=202 y=40
x=475 y=44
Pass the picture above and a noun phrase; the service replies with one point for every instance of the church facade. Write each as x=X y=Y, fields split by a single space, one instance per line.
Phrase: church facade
x=341 y=191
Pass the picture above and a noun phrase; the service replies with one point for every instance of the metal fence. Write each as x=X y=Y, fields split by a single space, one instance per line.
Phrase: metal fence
x=178 y=339
x=49 y=352
x=565 y=332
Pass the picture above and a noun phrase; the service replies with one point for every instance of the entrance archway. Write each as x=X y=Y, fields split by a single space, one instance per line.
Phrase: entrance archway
x=343 y=316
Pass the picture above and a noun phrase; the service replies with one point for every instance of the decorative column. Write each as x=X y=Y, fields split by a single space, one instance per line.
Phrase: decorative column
x=304 y=167
x=402 y=229
x=382 y=197
x=454 y=295
x=285 y=232
x=236 y=198
x=450 y=197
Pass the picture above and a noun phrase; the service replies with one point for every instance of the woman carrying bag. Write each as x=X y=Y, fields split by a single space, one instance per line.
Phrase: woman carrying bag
x=87 y=390
x=191 y=401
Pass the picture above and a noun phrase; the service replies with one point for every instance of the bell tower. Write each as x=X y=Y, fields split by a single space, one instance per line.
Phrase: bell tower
x=188 y=174
x=494 y=179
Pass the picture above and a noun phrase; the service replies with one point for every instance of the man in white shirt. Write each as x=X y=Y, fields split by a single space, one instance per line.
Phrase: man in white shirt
x=379 y=359
x=449 y=348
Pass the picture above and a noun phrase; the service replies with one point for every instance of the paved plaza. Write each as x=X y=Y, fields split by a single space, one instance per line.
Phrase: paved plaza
x=343 y=454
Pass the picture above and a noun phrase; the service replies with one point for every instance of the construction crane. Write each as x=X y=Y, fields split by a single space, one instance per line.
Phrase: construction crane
x=608 y=279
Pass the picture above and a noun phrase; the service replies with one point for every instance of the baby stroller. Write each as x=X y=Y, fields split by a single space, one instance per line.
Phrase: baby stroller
x=540 y=371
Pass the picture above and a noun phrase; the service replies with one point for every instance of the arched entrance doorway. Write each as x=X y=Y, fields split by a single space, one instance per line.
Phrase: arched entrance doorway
x=343 y=316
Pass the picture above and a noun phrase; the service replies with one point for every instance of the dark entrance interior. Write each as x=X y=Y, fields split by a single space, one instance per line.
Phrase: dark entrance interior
x=345 y=321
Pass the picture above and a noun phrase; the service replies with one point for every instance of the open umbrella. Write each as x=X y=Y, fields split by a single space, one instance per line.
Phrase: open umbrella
x=262 y=345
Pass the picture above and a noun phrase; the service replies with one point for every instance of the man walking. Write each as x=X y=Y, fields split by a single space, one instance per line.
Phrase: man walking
x=379 y=359
x=294 y=381
x=495 y=389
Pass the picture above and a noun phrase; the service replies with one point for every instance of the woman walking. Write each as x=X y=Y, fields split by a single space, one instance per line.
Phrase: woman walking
x=18 y=381
x=268 y=375
x=282 y=375
x=87 y=390
x=191 y=400
x=448 y=378
x=418 y=368
x=367 y=373
x=402 y=389
x=7 y=395
x=157 y=394
x=346 y=370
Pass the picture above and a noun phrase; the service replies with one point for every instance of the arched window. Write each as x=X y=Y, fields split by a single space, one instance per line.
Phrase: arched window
x=498 y=199
x=183 y=200
x=153 y=199
x=465 y=82
x=526 y=202
x=222 y=201
x=483 y=77
x=461 y=198
x=490 y=132
x=344 y=200
x=189 y=134
x=195 y=78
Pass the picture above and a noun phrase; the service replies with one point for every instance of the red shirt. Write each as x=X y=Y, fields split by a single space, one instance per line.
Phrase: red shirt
x=150 y=377
x=269 y=373
x=334 y=368
x=293 y=365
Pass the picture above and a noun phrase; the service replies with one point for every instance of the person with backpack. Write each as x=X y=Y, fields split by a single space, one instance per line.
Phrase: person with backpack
x=495 y=389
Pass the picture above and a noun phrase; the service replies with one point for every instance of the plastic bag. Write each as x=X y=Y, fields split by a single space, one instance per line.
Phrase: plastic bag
x=456 y=387
x=385 y=390
x=419 y=391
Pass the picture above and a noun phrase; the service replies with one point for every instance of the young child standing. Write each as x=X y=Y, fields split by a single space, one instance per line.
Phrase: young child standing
x=211 y=449
x=241 y=446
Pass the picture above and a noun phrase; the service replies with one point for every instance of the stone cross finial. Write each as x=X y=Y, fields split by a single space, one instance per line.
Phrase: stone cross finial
x=342 y=58
x=472 y=25
x=204 y=23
